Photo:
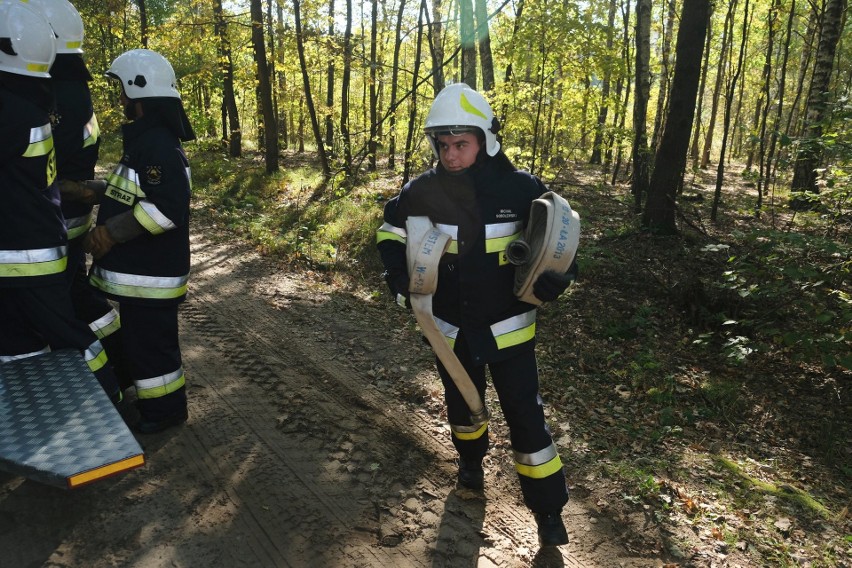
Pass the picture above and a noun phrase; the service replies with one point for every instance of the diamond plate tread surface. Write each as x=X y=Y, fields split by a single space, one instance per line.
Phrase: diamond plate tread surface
x=57 y=423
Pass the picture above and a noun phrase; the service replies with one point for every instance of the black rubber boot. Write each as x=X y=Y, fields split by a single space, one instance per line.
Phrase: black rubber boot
x=551 y=529
x=471 y=475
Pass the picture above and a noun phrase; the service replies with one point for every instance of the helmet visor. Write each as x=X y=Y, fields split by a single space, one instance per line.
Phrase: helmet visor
x=456 y=130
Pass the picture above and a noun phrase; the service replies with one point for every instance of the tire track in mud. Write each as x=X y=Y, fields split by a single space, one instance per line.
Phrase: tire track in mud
x=369 y=469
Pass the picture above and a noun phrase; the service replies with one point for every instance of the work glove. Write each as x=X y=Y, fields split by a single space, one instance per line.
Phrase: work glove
x=98 y=242
x=550 y=284
x=88 y=191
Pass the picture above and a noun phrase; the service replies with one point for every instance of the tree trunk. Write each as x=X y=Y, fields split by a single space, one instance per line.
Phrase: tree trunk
x=767 y=96
x=264 y=87
x=600 y=126
x=659 y=214
x=640 y=155
x=412 y=114
x=483 y=39
x=329 y=86
x=810 y=152
x=665 y=75
x=143 y=23
x=394 y=79
x=372 y=144
x=704 y=68
x=300 y=48
x=226 y=67
x=717 y=90
x=344 y=91
x=468 y=43
x=436 y=47
x=281 y=78
x=729 y=98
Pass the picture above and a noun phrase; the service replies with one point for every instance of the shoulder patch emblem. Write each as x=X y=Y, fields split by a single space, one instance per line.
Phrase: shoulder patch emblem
x=154 y=175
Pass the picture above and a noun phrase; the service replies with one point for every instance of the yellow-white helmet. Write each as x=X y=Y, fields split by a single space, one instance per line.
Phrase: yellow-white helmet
x=458 y=109
x=144 y=74
x=26 y=41
x=66 y=22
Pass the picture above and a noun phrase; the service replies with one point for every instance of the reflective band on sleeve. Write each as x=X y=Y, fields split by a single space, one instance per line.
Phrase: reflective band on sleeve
x=77 y=226
x=389 y=232
x=106 y=325
x=123 y=185
x=91 y=132
x=33 y=262
x=450 y=331
x=139 y=286
x=540 y=464
x=7 y=358
x=155 y=387
x=41 y=140
x=469 y=432
x=453 y=231
x=95 y=356
x=514 y=330
x=150 y=217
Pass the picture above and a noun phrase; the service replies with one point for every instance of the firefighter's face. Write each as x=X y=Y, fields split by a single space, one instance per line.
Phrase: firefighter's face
x=458 y=151
x=132 y=109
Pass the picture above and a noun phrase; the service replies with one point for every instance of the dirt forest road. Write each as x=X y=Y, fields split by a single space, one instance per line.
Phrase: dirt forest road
x=315 y=440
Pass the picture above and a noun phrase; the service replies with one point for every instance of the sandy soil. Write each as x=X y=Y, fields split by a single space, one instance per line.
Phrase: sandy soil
x=315 y=439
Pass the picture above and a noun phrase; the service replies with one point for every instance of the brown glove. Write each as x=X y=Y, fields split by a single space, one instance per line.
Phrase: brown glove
x=98 y=242
x=78 y=191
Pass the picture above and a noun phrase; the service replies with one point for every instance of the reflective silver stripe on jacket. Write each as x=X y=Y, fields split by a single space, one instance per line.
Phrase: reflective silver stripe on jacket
x=124 y=185
x=137 y=285
x=155 y=387
x=33 y=262
x=514 y=330
x=499 y=235
x=150 y=217
x=41 y=141
x=389 y=232
x=91 y=132
x=77 y=226
x=450 y=331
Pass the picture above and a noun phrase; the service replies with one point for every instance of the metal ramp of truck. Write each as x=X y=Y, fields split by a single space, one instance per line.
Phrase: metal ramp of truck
x=57 y=425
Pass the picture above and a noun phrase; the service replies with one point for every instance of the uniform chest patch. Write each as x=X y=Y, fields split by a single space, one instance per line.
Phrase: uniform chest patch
x=506 y=214
x=154 y=175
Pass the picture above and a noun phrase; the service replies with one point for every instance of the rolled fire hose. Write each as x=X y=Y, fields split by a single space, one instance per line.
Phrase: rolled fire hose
x=425 y=246
x=549 y=243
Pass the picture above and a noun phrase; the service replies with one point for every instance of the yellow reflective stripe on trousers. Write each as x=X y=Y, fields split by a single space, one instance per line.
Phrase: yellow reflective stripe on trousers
x=469 y=432
x=449 y=331
x=150 y=217
x=106 y=325
x=33 y=262
x=95 y=356
x=91 y=132
x=155 y=387
x=388 y=232
x=137 y=285
x=41 y=141
x=514 y=330
x=77 y=226
x=540 y=464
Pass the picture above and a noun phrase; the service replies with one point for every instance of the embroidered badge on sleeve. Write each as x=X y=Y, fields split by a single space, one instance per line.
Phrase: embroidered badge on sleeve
x=154 y=175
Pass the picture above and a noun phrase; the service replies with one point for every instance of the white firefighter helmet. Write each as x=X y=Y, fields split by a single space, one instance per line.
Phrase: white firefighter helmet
x=458 y=109
x=66 y=22
x=26 y=41
x=144 y=74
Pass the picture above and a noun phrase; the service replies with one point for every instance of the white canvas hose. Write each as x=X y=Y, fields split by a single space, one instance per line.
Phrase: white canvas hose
x=549 y=243
x=425 y=246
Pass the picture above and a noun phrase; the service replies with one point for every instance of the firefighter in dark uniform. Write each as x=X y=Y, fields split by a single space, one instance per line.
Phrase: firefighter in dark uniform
x=36 y=314
x=76 y=141
x=140 y=245
x=482 y=201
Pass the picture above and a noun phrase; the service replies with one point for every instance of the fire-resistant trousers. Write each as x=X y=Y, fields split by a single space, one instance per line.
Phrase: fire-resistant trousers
x=41 y=317
x=515 y=380
x=150 y=344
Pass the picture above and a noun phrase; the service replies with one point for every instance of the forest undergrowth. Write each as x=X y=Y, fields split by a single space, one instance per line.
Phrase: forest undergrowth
x=698 y=385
